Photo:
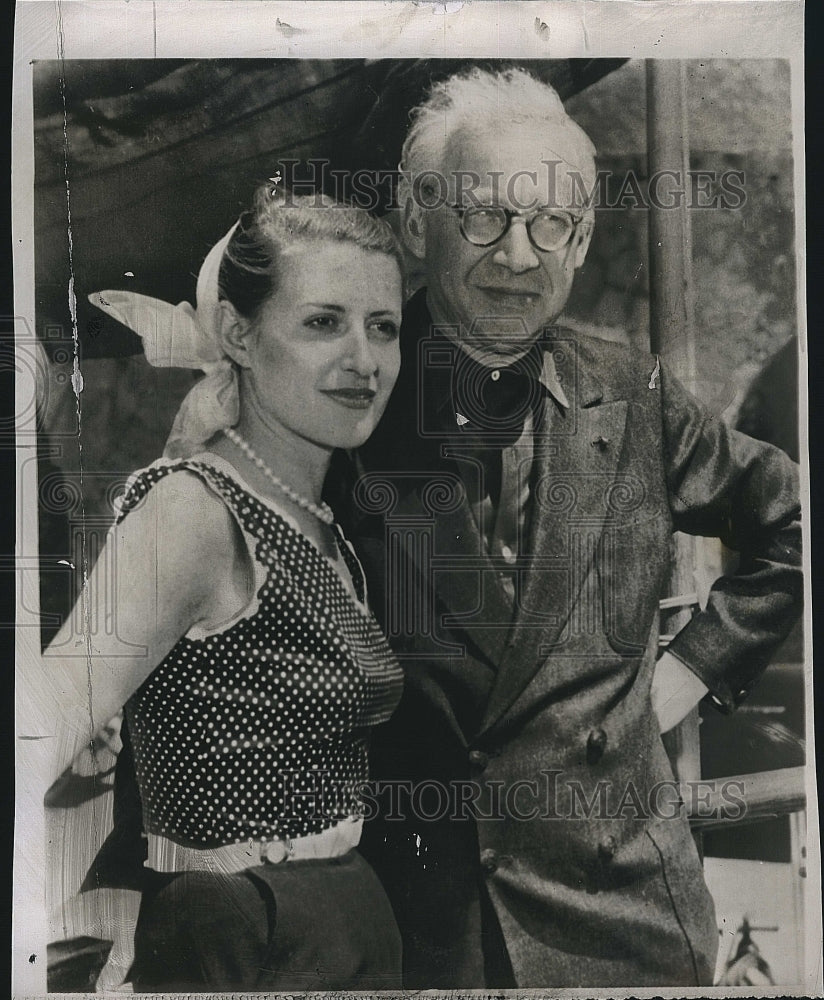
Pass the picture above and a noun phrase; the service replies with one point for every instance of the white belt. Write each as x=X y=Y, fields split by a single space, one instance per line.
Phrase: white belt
x=167 y=856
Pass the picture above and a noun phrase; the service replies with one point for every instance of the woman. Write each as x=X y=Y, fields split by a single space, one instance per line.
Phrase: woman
x=258 y=669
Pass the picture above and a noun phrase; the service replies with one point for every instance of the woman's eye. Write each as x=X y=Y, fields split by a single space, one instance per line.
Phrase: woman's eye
x=386 y=328
x=324 y=322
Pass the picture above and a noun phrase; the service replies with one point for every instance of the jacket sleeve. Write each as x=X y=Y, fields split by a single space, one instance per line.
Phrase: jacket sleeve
x=724 y=484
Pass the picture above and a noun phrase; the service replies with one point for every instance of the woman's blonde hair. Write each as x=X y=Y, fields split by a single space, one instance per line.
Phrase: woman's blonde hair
x=249 y=271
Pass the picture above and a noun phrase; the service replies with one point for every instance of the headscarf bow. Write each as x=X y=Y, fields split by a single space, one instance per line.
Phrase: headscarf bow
x=182 y=337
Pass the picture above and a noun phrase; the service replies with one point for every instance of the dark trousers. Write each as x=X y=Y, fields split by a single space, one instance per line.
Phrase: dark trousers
x=321 y=925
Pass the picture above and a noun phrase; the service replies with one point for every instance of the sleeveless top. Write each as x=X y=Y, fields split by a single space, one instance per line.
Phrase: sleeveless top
x=259 y=729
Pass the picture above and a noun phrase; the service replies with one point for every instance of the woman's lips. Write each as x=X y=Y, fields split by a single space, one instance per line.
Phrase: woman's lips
x=353 y=399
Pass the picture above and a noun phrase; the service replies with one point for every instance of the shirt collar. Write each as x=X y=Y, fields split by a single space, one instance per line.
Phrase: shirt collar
x=549 y=380
x=548 y=377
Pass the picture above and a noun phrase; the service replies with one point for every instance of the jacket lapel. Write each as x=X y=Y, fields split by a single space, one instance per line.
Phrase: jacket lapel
x=432 y=522
x=575 y=461
x=440 y=539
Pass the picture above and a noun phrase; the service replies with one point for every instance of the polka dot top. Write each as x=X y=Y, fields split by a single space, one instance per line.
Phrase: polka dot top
x=259 y=730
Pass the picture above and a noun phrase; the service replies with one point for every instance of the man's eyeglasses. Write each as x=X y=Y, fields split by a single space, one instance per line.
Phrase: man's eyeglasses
x=547 y=229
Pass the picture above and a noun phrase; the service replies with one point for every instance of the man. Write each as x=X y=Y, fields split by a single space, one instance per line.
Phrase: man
x=514 y=513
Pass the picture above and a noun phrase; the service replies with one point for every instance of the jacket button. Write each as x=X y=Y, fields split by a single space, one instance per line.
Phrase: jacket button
x=596 y=744
x=489 y=860
x=477 y=758
x=607 y=848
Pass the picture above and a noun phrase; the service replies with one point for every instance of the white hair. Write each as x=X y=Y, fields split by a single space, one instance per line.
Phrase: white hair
x=477 y=98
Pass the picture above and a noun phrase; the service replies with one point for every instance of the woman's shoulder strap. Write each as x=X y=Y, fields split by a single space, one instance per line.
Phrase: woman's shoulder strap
x=141 y=482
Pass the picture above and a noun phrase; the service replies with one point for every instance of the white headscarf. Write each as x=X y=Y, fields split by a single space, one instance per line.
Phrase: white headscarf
x=182 y=337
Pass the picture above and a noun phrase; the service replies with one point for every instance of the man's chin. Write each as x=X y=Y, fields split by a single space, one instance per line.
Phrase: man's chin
x=495 y=354
x=505 y=336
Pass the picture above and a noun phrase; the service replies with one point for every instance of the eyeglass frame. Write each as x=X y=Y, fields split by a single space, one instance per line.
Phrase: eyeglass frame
x=511 y=214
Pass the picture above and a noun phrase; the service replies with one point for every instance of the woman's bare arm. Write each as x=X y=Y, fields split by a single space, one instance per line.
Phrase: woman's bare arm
x=171 y=563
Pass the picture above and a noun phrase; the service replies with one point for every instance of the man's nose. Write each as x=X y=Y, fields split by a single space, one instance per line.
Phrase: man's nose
x=360 y=356
x=515 y=251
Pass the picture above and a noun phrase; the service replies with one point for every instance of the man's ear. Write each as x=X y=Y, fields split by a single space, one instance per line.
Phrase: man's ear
x=583 y=237
x=235 y=334
x=412 y=228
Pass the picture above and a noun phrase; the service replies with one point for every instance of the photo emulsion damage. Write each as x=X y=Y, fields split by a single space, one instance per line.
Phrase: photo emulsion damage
x=412 y=497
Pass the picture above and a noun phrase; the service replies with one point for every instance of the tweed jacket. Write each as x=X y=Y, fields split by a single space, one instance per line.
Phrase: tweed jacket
x=524 y=768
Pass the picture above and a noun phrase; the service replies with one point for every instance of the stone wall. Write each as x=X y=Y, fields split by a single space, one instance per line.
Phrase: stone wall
x=743 y=261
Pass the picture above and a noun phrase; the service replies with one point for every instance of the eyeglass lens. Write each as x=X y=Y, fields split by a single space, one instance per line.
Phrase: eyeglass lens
x=484 y=226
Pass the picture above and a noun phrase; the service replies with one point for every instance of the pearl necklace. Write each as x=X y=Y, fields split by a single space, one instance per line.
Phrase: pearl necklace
x=322 y=512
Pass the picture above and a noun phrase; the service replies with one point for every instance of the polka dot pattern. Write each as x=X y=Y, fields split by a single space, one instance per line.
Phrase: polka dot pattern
x=260 y=730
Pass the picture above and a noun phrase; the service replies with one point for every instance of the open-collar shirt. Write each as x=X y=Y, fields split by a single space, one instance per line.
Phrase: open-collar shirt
x=503 y=522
